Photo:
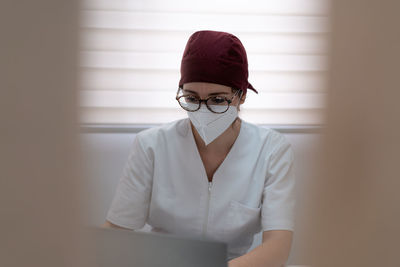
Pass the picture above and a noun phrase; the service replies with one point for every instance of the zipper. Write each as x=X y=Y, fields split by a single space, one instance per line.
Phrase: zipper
x=207 y=210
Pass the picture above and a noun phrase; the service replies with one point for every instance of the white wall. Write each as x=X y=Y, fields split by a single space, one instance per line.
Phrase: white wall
x=105 y=154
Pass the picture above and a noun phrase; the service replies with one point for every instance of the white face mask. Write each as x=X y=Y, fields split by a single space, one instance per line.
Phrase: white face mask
x=210 y=125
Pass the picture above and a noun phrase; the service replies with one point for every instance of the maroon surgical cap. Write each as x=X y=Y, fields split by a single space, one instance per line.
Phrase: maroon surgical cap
x=215 y=57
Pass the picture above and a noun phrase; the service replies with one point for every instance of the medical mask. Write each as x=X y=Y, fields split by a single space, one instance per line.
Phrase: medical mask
x=210 y=125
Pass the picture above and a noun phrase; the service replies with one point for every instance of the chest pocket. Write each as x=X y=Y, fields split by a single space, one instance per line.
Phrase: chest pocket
x=242 y=223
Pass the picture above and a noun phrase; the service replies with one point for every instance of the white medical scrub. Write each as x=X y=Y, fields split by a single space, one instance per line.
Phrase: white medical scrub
x=165 y=185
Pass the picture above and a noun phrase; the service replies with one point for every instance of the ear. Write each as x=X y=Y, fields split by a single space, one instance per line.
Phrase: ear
x=243 y=98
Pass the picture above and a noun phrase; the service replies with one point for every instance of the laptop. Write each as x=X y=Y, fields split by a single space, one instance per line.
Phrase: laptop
x=123 y=248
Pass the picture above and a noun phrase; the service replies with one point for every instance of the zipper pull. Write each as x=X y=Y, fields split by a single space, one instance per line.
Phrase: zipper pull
x=209 y=186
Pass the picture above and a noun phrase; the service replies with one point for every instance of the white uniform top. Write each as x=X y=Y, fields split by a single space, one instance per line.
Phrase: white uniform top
x=165 y=185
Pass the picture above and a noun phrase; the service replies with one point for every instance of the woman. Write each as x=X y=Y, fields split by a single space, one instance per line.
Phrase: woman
x=212 y=176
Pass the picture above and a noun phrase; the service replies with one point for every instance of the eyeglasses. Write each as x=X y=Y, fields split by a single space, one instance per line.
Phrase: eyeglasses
x=216 y=104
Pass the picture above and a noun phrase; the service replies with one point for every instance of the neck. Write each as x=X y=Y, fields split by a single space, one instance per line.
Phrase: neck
x=223 y=143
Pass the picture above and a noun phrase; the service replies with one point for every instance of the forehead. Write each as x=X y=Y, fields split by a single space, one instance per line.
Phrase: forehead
x=206 y=88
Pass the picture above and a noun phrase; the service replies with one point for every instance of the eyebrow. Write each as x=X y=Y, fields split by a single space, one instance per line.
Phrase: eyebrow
x=216 y=93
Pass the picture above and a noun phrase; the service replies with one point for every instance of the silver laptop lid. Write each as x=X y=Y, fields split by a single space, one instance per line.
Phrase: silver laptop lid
x=123 y=248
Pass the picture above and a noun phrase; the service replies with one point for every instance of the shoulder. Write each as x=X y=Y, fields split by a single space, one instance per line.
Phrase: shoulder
x=168 y=132
x=266 y=136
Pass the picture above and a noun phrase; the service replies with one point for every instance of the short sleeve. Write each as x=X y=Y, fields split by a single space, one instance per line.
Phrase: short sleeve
x=130 y=205
x=279 y=191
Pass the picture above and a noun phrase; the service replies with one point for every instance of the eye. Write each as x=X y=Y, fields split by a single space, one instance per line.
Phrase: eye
x=217 y=100
x=191 y=99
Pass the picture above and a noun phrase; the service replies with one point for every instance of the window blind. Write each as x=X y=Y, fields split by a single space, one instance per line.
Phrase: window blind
x=131 y=52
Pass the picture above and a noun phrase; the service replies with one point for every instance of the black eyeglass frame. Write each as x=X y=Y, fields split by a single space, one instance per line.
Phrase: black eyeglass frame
x=205 y=101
